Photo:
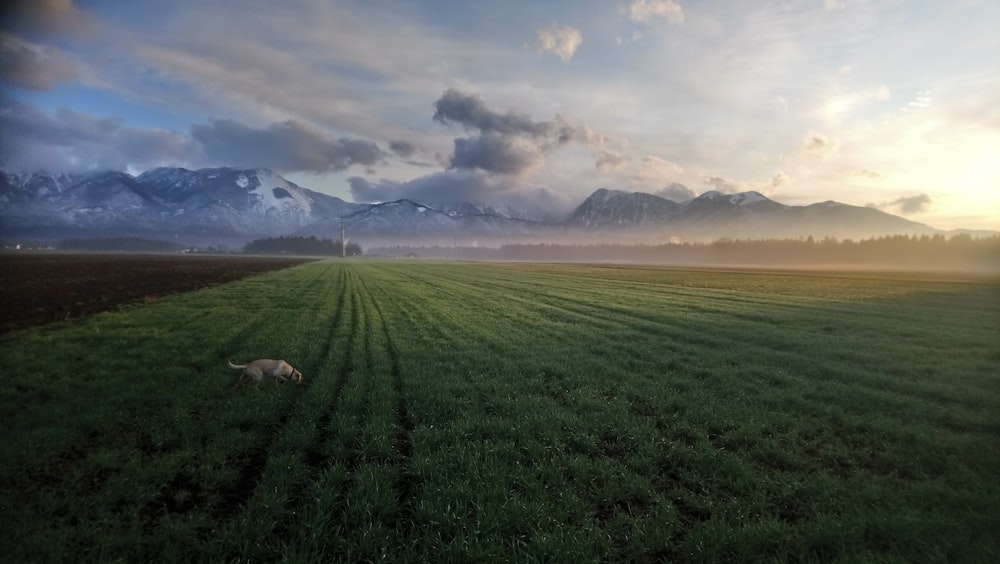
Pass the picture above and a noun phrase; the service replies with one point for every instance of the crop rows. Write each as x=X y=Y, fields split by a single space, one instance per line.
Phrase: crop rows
x=513 y=412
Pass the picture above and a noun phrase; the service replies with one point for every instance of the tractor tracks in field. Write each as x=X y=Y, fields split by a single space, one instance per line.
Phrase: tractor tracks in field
x=368 y=345
x=250 y=463
x=253 y=462
x=315 y=457
x=407 y=482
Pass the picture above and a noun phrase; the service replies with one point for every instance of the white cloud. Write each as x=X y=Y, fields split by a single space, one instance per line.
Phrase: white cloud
x=641 y=11
x=730 y=186
x=818 y=145
x=908 y=205
x=655 y=170
x=842 y=105
x=561 y=41
x=921 y=100
x=869 y=174
x=880 y=93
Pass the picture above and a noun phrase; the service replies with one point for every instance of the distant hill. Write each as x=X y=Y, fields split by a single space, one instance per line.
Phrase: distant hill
x=752 y=215
x=237 y=205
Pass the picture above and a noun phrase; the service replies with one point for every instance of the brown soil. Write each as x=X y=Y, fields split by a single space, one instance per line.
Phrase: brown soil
x=36 y=289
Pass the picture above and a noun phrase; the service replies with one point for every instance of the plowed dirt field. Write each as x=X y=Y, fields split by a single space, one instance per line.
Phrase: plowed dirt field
x=36 y=289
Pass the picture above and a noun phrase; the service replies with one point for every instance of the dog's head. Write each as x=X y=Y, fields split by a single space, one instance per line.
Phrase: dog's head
x=296 y=376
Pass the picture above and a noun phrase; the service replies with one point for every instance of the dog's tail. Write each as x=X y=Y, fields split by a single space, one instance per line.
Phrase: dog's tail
x=236 y=366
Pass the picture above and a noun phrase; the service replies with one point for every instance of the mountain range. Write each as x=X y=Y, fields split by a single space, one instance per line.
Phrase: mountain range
x=232 y=206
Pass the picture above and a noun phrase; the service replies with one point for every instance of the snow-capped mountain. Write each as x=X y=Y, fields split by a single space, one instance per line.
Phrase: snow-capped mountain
x=236 y=205
x=405 y=220
x=164 y=202
x=615 y=209
x=714 y=215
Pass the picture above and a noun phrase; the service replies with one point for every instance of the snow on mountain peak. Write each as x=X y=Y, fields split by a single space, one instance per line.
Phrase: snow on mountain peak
x=274 y=192
x=747 y=198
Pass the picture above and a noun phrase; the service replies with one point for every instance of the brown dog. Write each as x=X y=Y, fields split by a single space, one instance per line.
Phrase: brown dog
x=280 y=370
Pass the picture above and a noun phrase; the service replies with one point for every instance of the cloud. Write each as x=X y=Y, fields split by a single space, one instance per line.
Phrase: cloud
x=511 y=143
x=71 y=141
x=818 y=145
x=493 y=152
x=562 y=41
x=32 y=67
x=676 y=192
x=286 y=147
x=880 y=93
x=608 y=160
x=473 y=186
x=470 y=111
x=907 y=205
x=722 y=184
x=921 y=101
x=433 y=189
x=730 y=186
x=869 y=174
x=658 y=169
x=641 y=11
x=402 y=148
x=777 y=181
x=842 y=105
x=48 y=17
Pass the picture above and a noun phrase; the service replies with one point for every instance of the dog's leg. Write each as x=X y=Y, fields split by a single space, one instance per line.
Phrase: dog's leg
x=239 y=381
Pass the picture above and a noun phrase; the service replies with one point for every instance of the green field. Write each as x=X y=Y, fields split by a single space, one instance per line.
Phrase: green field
x=492 y=412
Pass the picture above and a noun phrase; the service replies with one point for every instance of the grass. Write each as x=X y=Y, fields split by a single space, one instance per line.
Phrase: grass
x=491 y=412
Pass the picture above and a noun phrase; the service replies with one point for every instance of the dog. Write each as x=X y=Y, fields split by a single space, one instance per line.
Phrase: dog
x=280 y=370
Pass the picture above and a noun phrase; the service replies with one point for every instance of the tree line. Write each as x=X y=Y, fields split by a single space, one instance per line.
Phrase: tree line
x=936 y=252
x=301 y=246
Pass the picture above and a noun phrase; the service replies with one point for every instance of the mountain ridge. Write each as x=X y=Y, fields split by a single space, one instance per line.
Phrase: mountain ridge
x=235 y=204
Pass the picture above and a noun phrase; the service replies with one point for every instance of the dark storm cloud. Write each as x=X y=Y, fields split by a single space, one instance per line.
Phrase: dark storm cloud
x=907 y=205
x=471 y=112
x=47 y=17
x=32 y=67
x=402 y=148
x=367 y=192
x=511 y=143
x=495 y=153
x=285 y=147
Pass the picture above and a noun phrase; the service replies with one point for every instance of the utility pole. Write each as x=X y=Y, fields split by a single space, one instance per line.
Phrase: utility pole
x=343 y=238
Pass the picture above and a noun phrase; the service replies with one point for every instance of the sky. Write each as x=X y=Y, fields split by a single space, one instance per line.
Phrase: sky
x=524 y=104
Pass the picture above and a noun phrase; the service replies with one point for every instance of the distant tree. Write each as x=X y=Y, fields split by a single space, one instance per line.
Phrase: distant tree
x=894 y=251
x=310 y=246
